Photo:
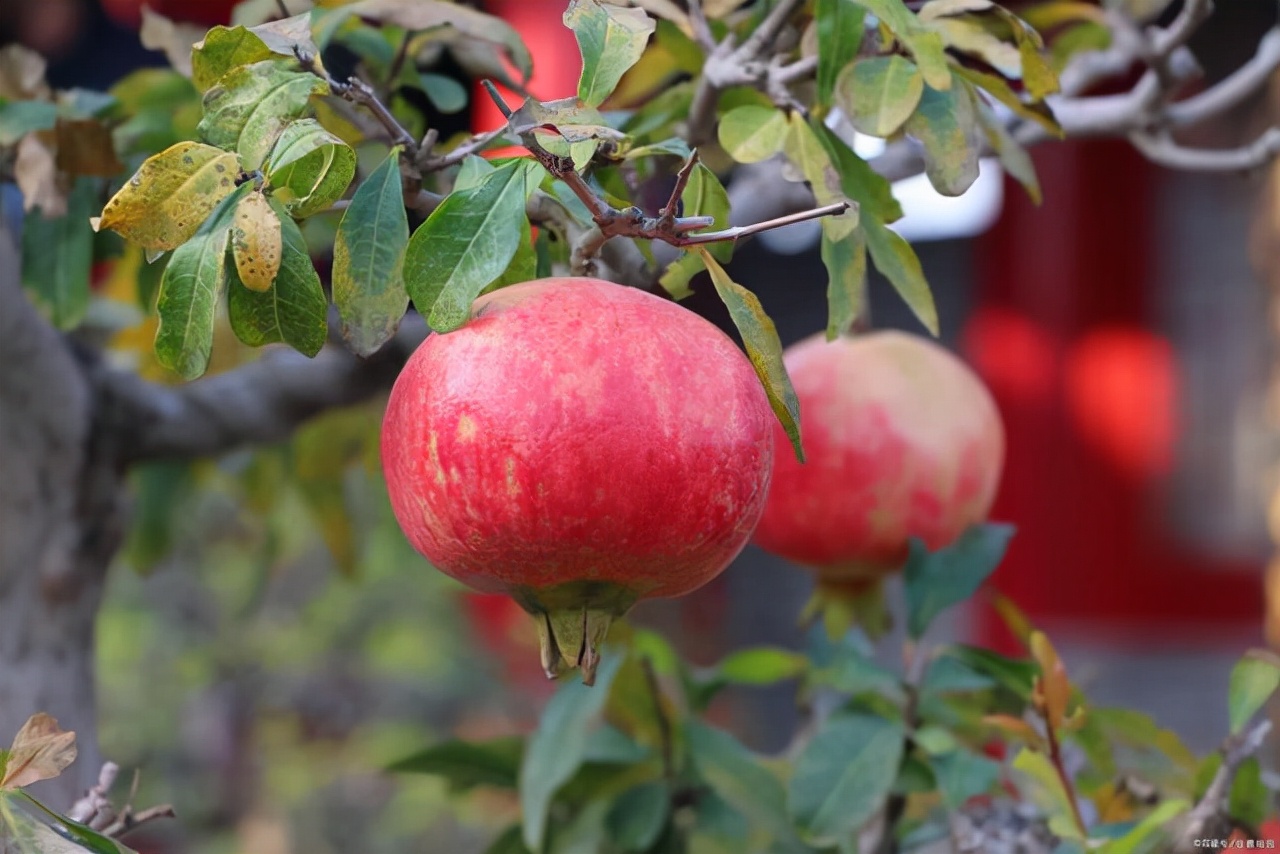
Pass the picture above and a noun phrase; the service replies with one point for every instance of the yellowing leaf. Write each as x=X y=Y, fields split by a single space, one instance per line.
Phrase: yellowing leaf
x=222 y=49
x=171 y=194
x=255 y=242
x=1052 y=688
x=760 y=337
x=752 y=132
x=40 y=751
x=879 y=93
x=250 y=106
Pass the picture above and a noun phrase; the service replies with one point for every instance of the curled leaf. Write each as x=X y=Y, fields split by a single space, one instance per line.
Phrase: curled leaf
x=40 y=751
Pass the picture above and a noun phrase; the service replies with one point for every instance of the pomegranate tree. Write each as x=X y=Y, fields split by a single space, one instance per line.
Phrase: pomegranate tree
x=579 y=446
x=902 y=440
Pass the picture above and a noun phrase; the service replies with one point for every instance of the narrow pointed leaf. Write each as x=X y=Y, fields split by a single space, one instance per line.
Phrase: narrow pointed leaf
x=760 y=337
x=844 y=775
x=368 y=253
x=556 y=749
x=880 y=93
x=894 y=257
x=171 y=194
x=255 y=242
x=610 y=39
x=189 y=292
x=293 y=310
x=466 y=764
x=846 y=262
x=1036 y=111
x=57 y=255
x=309 y=168
x=467 y=243
x=250 y=106
x=840 y=28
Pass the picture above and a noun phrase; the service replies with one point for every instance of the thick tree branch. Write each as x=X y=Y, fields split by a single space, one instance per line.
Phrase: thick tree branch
x=260 y=402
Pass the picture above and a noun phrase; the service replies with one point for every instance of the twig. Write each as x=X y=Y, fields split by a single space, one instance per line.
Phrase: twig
x=1161 y=148
x=357 y=91
x=1211 y=806
x=896 y=806
x=660 y=715
x=95 y=803
x=474 y=145
x=1068 y=787
x=701 y=29
x=741 y=231
x=769 y=28
x=667 y=216
x=397 y=64
x=129 y=820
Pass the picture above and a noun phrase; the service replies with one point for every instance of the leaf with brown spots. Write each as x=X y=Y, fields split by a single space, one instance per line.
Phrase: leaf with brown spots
x=40 y=751
x=255 y=243
x=171 y=194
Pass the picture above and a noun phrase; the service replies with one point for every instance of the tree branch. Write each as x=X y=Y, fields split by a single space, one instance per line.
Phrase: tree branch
x=1203 y=819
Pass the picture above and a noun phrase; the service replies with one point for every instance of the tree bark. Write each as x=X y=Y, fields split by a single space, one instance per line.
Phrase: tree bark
x=61 y=520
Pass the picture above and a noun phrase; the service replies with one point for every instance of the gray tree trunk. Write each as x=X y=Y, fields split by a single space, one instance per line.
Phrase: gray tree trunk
x=61 y=520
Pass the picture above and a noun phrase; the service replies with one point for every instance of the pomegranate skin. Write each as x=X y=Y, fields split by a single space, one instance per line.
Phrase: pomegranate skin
x=578 y=444
x=902 y=440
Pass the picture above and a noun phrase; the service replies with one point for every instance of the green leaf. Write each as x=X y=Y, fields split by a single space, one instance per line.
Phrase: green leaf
x=843 y=776
x=761 y=666
x=840 y=26
x=293 y=310
x=57 y=834
x=19 y=118
x=1253 y=680
x=962 y=774
x=894 y=257
x=926 y=46
x=1014 y=674
x=466 y=764
x=639 y=815
x=846 y=262
x=946 y=123
x=704 y=195
x=447 y=95
x=556 y=748
x=223 y=49
x=189 y=292
x=935 y=581
x=57 y=254
x=870 y=189
x=467 y=242
x=309 y=168
x=1250 y=799
x=760 y=337
x=674 y=146
x=170 y=195
x=1053 y=796
x=855 y=673
x=879 y=93
x=610 y=39
x=368 y=251
x=511 y=841
x=1014 y=158
x=981 y=36
x=1036 y=111
x=1152 y=828
x=948 y=675
x=805 y=150
x=752 y=133
x=524 y=264
x=737 y=777
x=675 y=279
x=250 y=106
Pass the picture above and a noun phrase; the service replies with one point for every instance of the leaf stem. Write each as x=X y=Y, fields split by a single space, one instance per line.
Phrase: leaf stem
x=1055 y=758
x=738 y=232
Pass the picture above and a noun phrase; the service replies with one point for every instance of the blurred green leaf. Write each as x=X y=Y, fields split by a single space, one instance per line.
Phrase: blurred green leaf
x=963 y=774
x=19 y=118
x=947 y=675
x=760 y=337
x=637 y=817
x=610 y=39
x=1014 y=674
x=466 y=764
x=57 y=254
x=1253 y=680
x=946 y=123
x=1053 y=796
x=556 y=748
x=511 y=841
x=880 y=93
x=761 y=666
x=57 y=834
x=737 y=777
x=309 y=168
x=1250 y=801
x=840 y=27
x=1013 y=157
x=368 y=254
x=250 y=106
x=843 y=776
x=1152 y=829
x=447 y=95
x=1036 y=111
x=190 y=290
x=752 y=133
x=293 y=310
x=467 y=242
x=846 y=261
x=894 y=257
x=937 y=580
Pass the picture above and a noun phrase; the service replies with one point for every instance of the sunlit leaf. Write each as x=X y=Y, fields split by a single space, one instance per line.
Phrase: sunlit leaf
x=57 y=254
x=610 y=39
x=752 y=133
x=223 y=49
x=309 y=168
x=293 y=310
x=979 y=37
x=760 y=337
x=843 y=776
x=894 y=257
x=1038 y=768
x=879 y=93
x=704 y=195
x=249 y=107
x=21 y=832
x=467 y=242
x=926 y=46
x=1253 y=680
x=368 y=255
x=761 y=666
x=171 y=194
x=1154 y=828
x=556 y=748
x=190 y=290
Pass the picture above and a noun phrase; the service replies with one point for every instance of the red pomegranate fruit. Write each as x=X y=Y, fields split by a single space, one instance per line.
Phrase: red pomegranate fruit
x=901 y=439
x=578 y=445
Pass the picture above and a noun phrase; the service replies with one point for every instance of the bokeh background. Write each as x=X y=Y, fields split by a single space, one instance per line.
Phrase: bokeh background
x=269 y=641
